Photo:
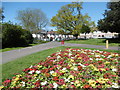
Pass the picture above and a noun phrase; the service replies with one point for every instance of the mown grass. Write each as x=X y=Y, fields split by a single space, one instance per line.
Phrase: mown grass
x=16 y=66
x=96 y=42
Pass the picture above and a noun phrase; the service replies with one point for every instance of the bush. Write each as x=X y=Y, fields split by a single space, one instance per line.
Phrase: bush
x=15 y=36
x=36 y=40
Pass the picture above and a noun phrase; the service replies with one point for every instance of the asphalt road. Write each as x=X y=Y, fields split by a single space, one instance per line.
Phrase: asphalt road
x=14 y=54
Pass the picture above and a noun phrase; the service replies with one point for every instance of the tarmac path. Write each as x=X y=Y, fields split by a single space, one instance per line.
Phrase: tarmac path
x=14 y=54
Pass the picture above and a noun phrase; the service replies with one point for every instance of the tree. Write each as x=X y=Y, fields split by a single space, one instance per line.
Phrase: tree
x=69 y=19
x=111 y=20
x=85 y=29
x=1 y=15
x=32 y=19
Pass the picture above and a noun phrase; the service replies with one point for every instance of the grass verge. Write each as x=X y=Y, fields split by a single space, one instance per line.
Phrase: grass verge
x=96 y=42
x=14 y=48
x=16 y=66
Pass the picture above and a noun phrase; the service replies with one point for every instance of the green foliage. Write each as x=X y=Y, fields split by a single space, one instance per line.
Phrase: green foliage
x=14 y=36
x=32 y=19
x=1 y=14
x=69 y=19
x=85 y=29
x=111 y=21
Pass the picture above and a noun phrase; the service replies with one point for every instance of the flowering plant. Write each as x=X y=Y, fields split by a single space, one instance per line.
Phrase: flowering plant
x=71 y=68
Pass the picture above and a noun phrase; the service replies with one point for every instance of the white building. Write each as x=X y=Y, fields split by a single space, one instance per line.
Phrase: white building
x=99 y=34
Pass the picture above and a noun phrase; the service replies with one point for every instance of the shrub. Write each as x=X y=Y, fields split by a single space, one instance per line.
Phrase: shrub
x=15 y=36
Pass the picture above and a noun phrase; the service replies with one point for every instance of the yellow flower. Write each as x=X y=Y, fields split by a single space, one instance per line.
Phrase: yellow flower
x=39 y=66
x=72 y=68
x=71 y=60
x=106 y=62
x=112 y=67
x=18 y=75
x=91 y=65
x=92 y=83
x=116 y=55
x=35 y=75
x=54 y=74
x=69 y=65
x=62 y=71
x=95 y=69
x=102 y=80
x=102 y=69
x=16 y=79
x=79 y=57
x=64 y=86
x=13 y=83
x=71 y=77
x=107 y=86
x=1 y=87
x=77 y=82
x=78 y=85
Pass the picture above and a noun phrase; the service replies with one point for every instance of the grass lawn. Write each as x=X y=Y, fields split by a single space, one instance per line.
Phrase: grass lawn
x=14 y=48
x=16 y=66
x=112 y=42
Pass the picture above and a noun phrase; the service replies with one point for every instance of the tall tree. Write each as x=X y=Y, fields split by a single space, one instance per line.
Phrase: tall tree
x=111 y=21
x=85 y=29
x=1 y=14
x=69 y=19
x=32 y=19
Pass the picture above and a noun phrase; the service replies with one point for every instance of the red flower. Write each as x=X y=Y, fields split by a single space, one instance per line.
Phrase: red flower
x=55 y=78
x=51 y=86
x=100 y=62
x=86 y=86
x=83 y=80
x=72 y=86
x=86 y=64
x=27 y=69
x=100 y=86
x=37 y=83
x=80 y=67
x=61 y=82
x=6 y=82
x=107 y=69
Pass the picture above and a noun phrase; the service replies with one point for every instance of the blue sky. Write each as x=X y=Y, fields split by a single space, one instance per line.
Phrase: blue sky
x=94 y=9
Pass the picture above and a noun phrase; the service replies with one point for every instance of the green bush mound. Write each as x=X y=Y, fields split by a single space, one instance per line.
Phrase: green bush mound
x=15 y=36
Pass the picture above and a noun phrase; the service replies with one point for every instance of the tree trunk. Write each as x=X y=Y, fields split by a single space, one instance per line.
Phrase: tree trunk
x=76 y=37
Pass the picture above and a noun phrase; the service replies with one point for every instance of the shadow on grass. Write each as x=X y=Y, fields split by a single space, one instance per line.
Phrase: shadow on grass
x=113 y=40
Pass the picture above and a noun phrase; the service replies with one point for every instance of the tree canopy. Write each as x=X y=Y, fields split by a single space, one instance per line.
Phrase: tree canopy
x=69 y=19
x=1 y=14
x=111 y=20
x=32 y=19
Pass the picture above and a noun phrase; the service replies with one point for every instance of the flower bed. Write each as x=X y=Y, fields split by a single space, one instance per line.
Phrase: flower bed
x=71 y=68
